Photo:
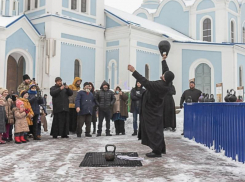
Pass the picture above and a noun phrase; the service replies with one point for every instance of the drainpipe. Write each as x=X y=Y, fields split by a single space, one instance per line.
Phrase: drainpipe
x=129 y=54
x=234 y=68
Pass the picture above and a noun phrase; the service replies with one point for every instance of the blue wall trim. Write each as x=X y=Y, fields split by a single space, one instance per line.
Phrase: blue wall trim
x=111 y=23
x=42 y=3
x=35 y=14
x=113 y=43
x=20 y=40
x=153 y=60
x=65 y=3
x=41 y=28
x=149 y=46
x=77 y=38
x=198 y=22
x=93 y=7
x=232 y=6
x=190 y=56
x=112 y=54
x=142 y=15
x=69 y=54
x=205 y=4
x=171 y=13
x=77 y=16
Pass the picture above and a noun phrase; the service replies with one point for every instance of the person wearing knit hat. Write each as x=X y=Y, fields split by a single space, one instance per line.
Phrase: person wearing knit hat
x=25 y=84
x=151 y=123
x=21 y=125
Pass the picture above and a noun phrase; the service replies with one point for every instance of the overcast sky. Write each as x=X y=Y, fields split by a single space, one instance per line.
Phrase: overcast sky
x=125 y=5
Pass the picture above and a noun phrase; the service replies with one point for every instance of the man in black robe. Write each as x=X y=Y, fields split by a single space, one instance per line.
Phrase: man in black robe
x=60 y=93
x=169 y=116
x=151 y=124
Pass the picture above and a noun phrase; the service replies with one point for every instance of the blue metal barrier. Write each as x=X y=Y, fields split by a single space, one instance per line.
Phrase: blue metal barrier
x=217 y=125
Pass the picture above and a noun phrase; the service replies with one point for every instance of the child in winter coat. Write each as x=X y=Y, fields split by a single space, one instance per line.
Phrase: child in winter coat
x=2 y=118
x=21 y=125
x=24 y=98
x=35 y=100
x=9 y=104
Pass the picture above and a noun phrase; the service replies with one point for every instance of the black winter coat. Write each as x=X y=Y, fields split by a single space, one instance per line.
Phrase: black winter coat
x=60 y=99
x=151 y=113
x=105 y=99
x=194 y=93
x=35 y=102
x=136 y=98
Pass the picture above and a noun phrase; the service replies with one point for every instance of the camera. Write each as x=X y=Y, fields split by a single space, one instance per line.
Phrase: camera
x=64 y=83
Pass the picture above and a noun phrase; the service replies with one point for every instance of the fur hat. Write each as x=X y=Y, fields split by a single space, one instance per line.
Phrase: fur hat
x=19 y=103
x=169 y=76
x=3 y=90
x=23 y=92
x=26 y=77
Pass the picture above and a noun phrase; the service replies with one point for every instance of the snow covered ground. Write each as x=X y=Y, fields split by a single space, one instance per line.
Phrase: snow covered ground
x=59 y=160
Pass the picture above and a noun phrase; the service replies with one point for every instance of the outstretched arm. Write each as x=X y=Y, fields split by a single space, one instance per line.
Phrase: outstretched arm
x=164 y=66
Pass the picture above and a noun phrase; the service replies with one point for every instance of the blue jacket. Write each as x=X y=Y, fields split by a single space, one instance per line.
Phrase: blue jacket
x=85 y=101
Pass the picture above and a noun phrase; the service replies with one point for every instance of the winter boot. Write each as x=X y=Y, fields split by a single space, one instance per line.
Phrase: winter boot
x=135 y=133
x=98 y=134
x=10 y=137
x=94 y=131
x=22 y=139
x=25 y=137
x=88 y=135
x=17 y=140
x=108 y=134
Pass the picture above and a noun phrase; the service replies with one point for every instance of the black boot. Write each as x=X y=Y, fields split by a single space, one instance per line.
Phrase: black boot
x=10 y=137
x=154 y=154
x=98 y=134
x=108 y=134
x=135 y=133
x=94 y=131
x=25 y=137
x=88 y=135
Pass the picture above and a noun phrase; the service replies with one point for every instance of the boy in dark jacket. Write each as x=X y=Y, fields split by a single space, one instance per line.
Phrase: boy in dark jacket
x=84 y=106
x=35 y=100
x=136 y=94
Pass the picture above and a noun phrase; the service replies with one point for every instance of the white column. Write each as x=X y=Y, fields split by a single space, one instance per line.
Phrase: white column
x=3 y=63
x=11 y=2
x=4 y=3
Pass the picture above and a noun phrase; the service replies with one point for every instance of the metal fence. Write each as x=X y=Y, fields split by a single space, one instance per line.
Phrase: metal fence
x=217 y=125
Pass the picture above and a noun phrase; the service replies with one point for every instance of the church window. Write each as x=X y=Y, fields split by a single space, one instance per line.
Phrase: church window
x=83 y=6
x=77 y=68
x=28 y=4
x=147 y=72
x=243 y=33
x=36 y=3
x=232 y=32
x=73 y=4
x=207 y=32
x=14 y=4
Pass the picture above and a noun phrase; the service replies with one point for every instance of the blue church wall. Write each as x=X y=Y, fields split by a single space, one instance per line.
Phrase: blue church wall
x=69 y=53
x=205 y=4
x=112 y=55
x=113 y=43
x=148 y=46
x=230 y=17
x=78 y=16
x=40 y=27
x=35 y=14
x=65 y=3
x=142 y=15
x=232 y=6
x=190 y=56
x=21 y=6
x=77 y=38
x=240 y=62
x=93 y=7
x=171 y=13
x=152 y=59
x=42 y=3
x=7 y=7
x=198 y=24
x=242 y=18
x=111 y=23
x=20 y=40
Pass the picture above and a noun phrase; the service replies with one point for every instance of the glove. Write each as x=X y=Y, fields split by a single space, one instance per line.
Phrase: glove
x=27 y=111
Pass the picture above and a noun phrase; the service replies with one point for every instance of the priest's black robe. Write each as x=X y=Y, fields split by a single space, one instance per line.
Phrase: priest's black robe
x=169 y=116
x=151 y=121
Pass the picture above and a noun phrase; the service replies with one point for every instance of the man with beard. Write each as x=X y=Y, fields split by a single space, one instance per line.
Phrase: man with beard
x=60 y=93
x=104 y=99
x=151 y=124
x=25 y=84
x=75 y=87
x=169 y=116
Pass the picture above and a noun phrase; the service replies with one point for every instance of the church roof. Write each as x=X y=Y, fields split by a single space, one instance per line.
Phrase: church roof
x=148 y=25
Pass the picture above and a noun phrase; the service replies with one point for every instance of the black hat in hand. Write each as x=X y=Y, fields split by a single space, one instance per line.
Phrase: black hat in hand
x=164 y=46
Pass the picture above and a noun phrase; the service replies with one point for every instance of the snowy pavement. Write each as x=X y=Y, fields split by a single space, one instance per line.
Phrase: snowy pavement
x=59 y=160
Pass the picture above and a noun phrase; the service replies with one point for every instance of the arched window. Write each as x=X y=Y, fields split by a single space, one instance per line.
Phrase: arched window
x=147 y=72
x=243 y=33
x=73 y=4
x=14 y=4
x=232 y=31
x=83 y=6
x=77 y=69
x=207 y=32
x=28 y=4
x=240 y=76
x=203 y=78
x=36 y=3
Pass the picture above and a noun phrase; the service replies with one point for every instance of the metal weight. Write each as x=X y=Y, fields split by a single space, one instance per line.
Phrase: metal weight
x=110 y=155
